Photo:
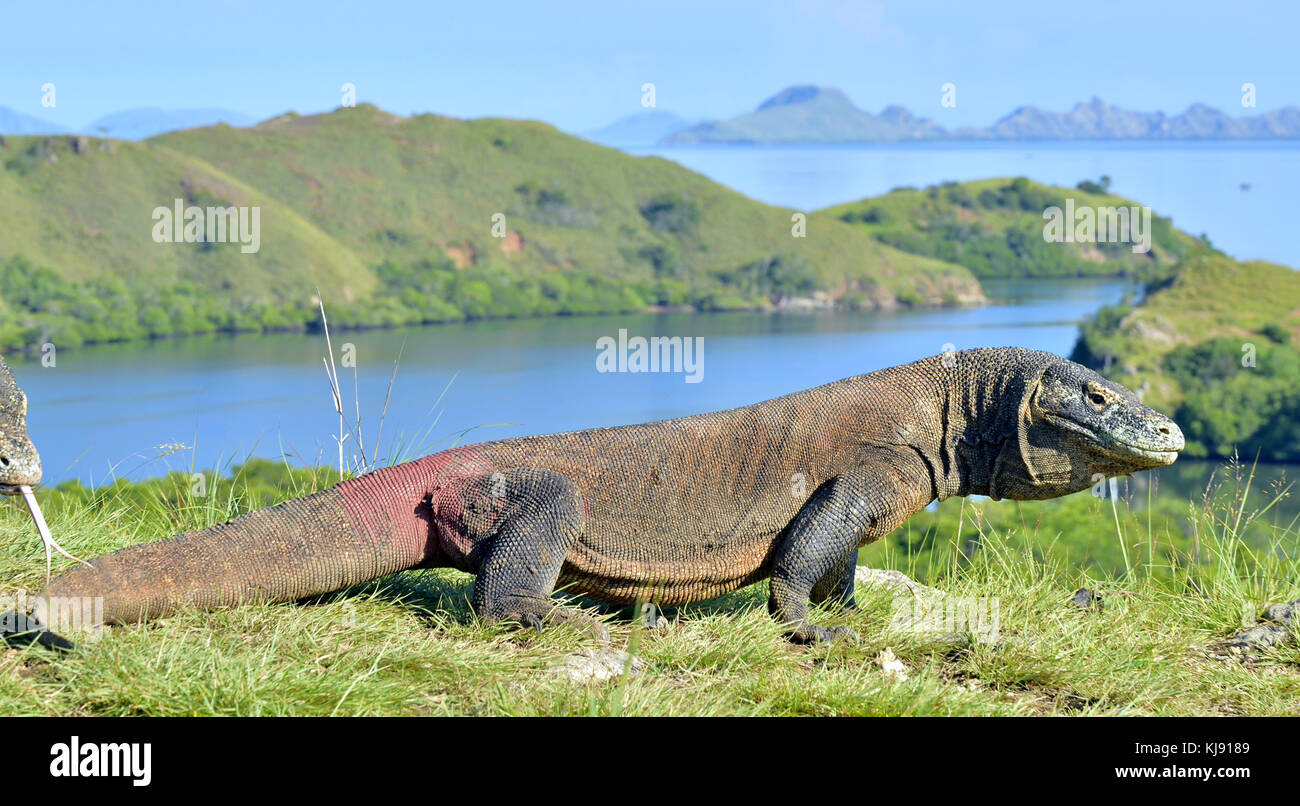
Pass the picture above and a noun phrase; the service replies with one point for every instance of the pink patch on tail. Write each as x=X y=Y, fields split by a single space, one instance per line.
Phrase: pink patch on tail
x=417 y=505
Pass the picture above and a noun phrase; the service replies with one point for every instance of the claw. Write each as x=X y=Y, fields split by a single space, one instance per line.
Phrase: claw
x=812 y=634
x=44 y=530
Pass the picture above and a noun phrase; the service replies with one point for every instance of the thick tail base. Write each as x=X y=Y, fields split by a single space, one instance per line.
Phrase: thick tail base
x=301 y=548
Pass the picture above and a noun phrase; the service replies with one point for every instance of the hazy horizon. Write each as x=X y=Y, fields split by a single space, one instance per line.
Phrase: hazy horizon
x=582 y=66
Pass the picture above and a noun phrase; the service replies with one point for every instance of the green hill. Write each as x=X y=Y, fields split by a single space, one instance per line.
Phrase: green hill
x=392 y=219
x=994 y=227
x=78 y=261
x=1218 y=344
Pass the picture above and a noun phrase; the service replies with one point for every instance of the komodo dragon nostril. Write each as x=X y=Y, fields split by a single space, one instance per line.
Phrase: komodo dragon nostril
x=4 y=460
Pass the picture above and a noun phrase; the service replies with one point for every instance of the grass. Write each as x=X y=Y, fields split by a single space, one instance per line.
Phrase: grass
x=409 y=644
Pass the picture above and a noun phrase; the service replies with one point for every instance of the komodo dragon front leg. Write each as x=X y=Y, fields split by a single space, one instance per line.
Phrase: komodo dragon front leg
x=816 y=558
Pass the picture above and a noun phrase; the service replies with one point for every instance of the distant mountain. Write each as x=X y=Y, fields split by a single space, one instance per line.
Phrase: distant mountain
x=1097 y=120
x=807 y=114
x=12 y=122
x=139 y=124
x=910 y=124
x=642 y=129
x=804 y=114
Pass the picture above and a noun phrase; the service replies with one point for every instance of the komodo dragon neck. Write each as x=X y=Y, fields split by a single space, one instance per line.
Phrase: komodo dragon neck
x=962 y=414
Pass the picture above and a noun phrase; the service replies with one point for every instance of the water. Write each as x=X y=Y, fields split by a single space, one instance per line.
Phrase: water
x=139 y=410
x=116 y=411
x=1197 y=184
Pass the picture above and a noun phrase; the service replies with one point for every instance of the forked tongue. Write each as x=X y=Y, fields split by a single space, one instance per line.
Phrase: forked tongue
x=44 y=529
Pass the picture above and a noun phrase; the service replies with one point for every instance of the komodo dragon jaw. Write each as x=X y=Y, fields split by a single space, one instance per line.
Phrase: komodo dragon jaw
x=670 y=512
x=20 y=464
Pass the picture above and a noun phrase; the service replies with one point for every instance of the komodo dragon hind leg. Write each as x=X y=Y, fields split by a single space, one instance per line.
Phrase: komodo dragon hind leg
x=818 y=550
x=541 y=519
x=836 y=587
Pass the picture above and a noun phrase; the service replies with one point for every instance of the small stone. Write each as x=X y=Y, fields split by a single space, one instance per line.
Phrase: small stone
x=596 y=666
x=1261 y=636
x=1085 y=599
x=891 y=666
x=1286 y=614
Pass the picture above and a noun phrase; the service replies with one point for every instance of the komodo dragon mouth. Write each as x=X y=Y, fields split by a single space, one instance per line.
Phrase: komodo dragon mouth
x=1154 y=453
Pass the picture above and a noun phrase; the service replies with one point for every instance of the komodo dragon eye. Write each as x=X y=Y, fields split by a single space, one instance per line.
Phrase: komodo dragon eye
x=1096 y=397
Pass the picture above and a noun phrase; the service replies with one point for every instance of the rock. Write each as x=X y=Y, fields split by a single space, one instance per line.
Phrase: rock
x=596 y=666
x=895 y=581
x=80 y=145
x=891 y=666
x=1259 y=637
x=1279 y=620
x=1085 y=599
x=917 y=608
x=1284 y=614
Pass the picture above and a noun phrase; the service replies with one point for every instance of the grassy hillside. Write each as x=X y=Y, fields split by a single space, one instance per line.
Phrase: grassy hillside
x=402 y=645
x=78 y=261
x=1218 y=345
x=392 y=218
x=400 y=189
x=994 y=227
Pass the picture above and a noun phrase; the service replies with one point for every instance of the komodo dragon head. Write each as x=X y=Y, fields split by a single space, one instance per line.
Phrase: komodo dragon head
x=1076 y=429
x=20 y=464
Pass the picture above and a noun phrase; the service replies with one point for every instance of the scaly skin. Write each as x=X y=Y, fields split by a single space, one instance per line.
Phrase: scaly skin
x=20 y=464
x=673 y=511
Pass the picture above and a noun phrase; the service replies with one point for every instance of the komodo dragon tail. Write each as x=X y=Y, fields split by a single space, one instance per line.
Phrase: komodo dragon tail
x=360 y=530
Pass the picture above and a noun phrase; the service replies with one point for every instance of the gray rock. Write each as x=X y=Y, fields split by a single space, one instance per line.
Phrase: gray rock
x=1279 y=620
x=1285 y=614
x=895 y=581
x=596 y=666
x=1085 y=599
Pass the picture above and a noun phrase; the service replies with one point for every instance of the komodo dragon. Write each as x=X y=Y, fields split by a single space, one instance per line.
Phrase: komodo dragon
x=673 y=511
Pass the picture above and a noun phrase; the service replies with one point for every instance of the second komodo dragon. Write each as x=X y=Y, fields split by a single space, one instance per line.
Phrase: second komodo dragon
x=674 y=511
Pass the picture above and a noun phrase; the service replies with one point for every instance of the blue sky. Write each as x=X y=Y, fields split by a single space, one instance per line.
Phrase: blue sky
x=581 y=65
